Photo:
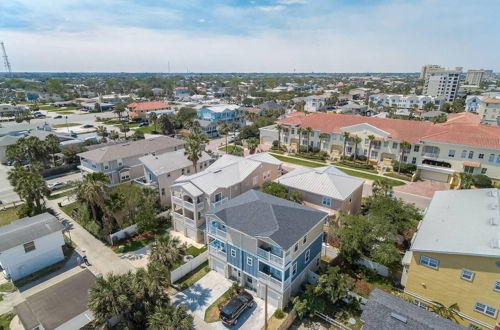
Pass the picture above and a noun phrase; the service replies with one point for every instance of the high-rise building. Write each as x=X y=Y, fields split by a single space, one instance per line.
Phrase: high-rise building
x=442 y=82
x=428 y=68
x=474 y=77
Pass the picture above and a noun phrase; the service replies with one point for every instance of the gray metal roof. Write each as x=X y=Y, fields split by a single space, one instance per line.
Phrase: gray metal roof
x=325 y=181
x=131 y=149
x=461 y=222
x=261 y=215
x=384 y=311
x=169 y=161
x=28 y=229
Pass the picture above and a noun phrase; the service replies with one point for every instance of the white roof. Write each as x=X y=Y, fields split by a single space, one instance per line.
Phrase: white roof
x=463 y=222
x=225 y=172
x=326 y=181
x=169 y=161
x=223 y=107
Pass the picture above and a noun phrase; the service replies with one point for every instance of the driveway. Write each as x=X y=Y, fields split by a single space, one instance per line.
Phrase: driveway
x=424 y=188
x=207 y=290
x=7 y=194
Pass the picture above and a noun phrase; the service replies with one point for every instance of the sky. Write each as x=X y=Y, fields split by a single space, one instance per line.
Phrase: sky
x=249 y=36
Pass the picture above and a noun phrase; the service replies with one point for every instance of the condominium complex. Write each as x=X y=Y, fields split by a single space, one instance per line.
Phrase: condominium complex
x=406 y=101
x=428 y=68
x=489 y=110
x=439 y=151
x=474 y=77
x=455 y=256
x=442 y=82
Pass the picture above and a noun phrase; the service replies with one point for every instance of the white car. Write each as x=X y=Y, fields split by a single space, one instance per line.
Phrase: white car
x=54 y=186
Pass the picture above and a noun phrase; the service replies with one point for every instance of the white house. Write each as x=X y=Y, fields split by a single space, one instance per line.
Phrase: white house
x=30 y=244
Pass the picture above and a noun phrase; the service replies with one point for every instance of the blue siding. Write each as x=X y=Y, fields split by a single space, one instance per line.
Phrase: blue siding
x=315 y=248
x=235 y=261
x=252 y=270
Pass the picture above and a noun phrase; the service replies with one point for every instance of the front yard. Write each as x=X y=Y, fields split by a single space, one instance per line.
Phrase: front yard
x=9 y=215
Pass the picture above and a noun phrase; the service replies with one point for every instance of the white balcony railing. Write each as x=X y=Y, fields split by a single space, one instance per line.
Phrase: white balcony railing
x=177 y=200
x=217 y=252
x=200 y=206
x=430 y=154
x=268 y=256
x=270 y=280
x=186 y=220
x=188 y=205
x=217 y=232
x=221 y=202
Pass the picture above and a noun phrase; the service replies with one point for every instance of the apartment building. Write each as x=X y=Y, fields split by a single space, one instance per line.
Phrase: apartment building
x=489 y=110
x=225 y=179
x=120 y=162
x=474 y=77
x=223 y=113
x=263 y=241
x=142 y=109
x=455 y=255
x=461 y=144
x=427 y=69
x=160 y=171
x=442 y=82
x=326 y=188
x=406 y=101
x=315 y=103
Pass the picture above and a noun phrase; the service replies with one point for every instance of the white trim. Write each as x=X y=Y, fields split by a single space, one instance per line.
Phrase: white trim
x=429 y=259
x=465 y=277
x=485 y=309
x=496 y=286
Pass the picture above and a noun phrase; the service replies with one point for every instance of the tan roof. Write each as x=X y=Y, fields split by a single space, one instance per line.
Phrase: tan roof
x=491 y=100
x=131 y=149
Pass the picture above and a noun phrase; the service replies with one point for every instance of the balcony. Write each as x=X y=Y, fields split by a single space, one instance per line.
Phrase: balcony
x=217 y=232
x=186 y=220
x=217 y=252
x=430 y=154
x=220 y=202
x=177 y=200
x=270 y=280
x=268 y=256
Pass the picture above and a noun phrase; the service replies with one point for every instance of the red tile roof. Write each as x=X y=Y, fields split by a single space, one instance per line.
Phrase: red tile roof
x=472 y=164
x=148 y=106
x=464 y=130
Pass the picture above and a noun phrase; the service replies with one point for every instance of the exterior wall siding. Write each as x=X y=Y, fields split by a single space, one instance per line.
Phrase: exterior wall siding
x=315 y=248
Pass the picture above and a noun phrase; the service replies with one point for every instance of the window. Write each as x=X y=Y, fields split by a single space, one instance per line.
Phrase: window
x=451 y=153
x=233 y=253
x=414 y=160
x=308 y=255
x=294 y=269
x=374 y=154
x=304 y=240
x=483 y=170
x=327 y=201
x=182 y=171
x=429 y=262
x=486 y=310
x=394 y=145
x=471 y=154
x=491 y=158
x=496 y=286
x=386 y=144
x=464 y=154
x=296 y=247
x=467 y=275
x=498 y=159
x=285 y=139
x=255 y=180
x=249 y=261
x=163 y=191
x=480 y=156
x=367 y=141
x=30 y=246
x=416 y=148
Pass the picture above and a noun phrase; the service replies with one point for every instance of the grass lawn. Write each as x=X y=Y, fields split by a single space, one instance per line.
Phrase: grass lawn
x=193 y=276
x=356 y=168
x=62 y=194
x=48 y=107
x=9 y=215
x=296 y=161
x=66 y=125
x=67 y=250
x=316 y=160
x=212 y=312
x=194 y=251
x=398 y=176
x=65 y=112
x=68 y=208
x=133 y=245
x=230 y=148
x=5 y=320
x=369 y=176
x=7 y=287
x=147 y=130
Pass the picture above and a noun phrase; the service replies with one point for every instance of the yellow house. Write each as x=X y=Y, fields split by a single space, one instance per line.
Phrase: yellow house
x=455 y=256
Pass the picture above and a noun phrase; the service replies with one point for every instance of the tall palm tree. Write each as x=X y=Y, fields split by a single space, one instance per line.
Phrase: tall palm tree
x=119 y=109
x=450 y=312
x=113 y=135
x=299 y=132
x=194 y=147
x=252 y=144
x=279 y=128
x=102 y=131
x=308 y=131
x=29 y=184
x=403 y=147
x=92 y=190
x=114 y=204
x=356 y=140
x=52 y=146
x=224 y=130
x=371 y=138
x=322 y=138
x=166 y=125
x=346 y=137
x=167 y=251
x=170 y=318
x=153 y=118
x=124 y=128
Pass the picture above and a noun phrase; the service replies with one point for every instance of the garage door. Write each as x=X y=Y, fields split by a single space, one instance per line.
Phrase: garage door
x=218 y=266
x=191 y=233
x=435 y=176
x=273 y=297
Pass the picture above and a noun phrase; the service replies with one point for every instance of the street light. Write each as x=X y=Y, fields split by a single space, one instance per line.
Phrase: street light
x=67 y=127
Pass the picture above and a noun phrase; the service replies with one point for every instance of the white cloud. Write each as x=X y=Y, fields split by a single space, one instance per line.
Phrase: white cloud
x=292 y=2
x=271 y=8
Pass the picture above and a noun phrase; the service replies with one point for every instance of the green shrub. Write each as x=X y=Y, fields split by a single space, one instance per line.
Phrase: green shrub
x=279 y=314
x=405 y=168
x=356 y=165
x=482 y=181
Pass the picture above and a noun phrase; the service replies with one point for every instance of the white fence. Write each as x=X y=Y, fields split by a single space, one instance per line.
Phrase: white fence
x=130 y=231
x=380 y=269
x=188 y=267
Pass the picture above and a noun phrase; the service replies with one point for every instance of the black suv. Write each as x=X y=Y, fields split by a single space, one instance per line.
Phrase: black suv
x=235 y=307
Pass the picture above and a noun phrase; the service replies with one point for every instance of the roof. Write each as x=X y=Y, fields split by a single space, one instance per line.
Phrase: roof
x=464 y=222
x=131 y=149
x=464 y=132
x=491 y=100
x=326 y=181
x=264 y=216
x=169 y=161
x=221 y=107
x=60 y=305
x=384 y=311
x=28 y=229
x=225 y=172
x=271 y=105
x=147 y=106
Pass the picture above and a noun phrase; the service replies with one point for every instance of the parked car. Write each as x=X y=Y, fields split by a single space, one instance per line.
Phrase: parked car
x=54 y=186
x=143 y=124
x=58 y=117
x=39 y=115
x=230 y=312
x=231 y=139
x=87 y=126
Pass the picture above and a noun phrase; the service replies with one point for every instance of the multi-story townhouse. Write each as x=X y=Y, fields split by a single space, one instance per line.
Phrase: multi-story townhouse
x=142 y=109
x=459 y=145
x=475 y=77
x=455 y=255
x=406 y=101
x=225 y=179
x=315 y=103
x=209 y=128
x=326 y=188
x=120 y=162
x=223 y=113
x=442 y=82
x=162 y=170
x=472 y=103
x=489 y=110
x=263 y=241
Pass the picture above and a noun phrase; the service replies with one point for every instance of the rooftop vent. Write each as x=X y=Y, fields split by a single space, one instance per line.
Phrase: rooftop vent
x=217 y=171
x=494 y=221
x=493 y=193
x=399 y=317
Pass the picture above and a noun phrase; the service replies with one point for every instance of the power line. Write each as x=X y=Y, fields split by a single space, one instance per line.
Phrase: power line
x=6 y=59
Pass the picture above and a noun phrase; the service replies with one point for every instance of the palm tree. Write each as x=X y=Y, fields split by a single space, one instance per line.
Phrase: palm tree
x=194 y=147
x=224 y=130
x=52 y=146
x=308 y=131
x=299 y=132
x=93 y=190
x=29 y=184
x=371 y=138
x=382 y=187
x=124 y=128
x=102 y=131
x=451 y=312
x=114 y=204
x=346 y=136
x=166 y=125
x=322 y=137
x=170 y=318
x=153 y=118
x=403 y=147
x=279 y=128
x=252 y=144
x=167 y=251
x=119 y=109
x=113 y=135
x=356 y=140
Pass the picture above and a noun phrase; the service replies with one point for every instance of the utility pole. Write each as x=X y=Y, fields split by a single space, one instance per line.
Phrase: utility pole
x=265 y=310
x=6 y=59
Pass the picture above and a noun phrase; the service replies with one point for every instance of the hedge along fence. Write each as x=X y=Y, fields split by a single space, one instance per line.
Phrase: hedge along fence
x=188 y=267
x=378 y=268
x=124 y=233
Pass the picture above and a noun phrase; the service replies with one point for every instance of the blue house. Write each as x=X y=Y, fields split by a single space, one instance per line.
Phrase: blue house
x=260 y=240
x=223 y=113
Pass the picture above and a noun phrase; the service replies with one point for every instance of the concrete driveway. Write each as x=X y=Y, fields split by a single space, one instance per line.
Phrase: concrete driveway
x=207 y=290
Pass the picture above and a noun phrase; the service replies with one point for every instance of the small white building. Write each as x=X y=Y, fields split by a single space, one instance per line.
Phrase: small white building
x=30 y=244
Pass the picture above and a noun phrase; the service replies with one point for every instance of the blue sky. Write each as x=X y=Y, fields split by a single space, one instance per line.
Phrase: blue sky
x=250 y=36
